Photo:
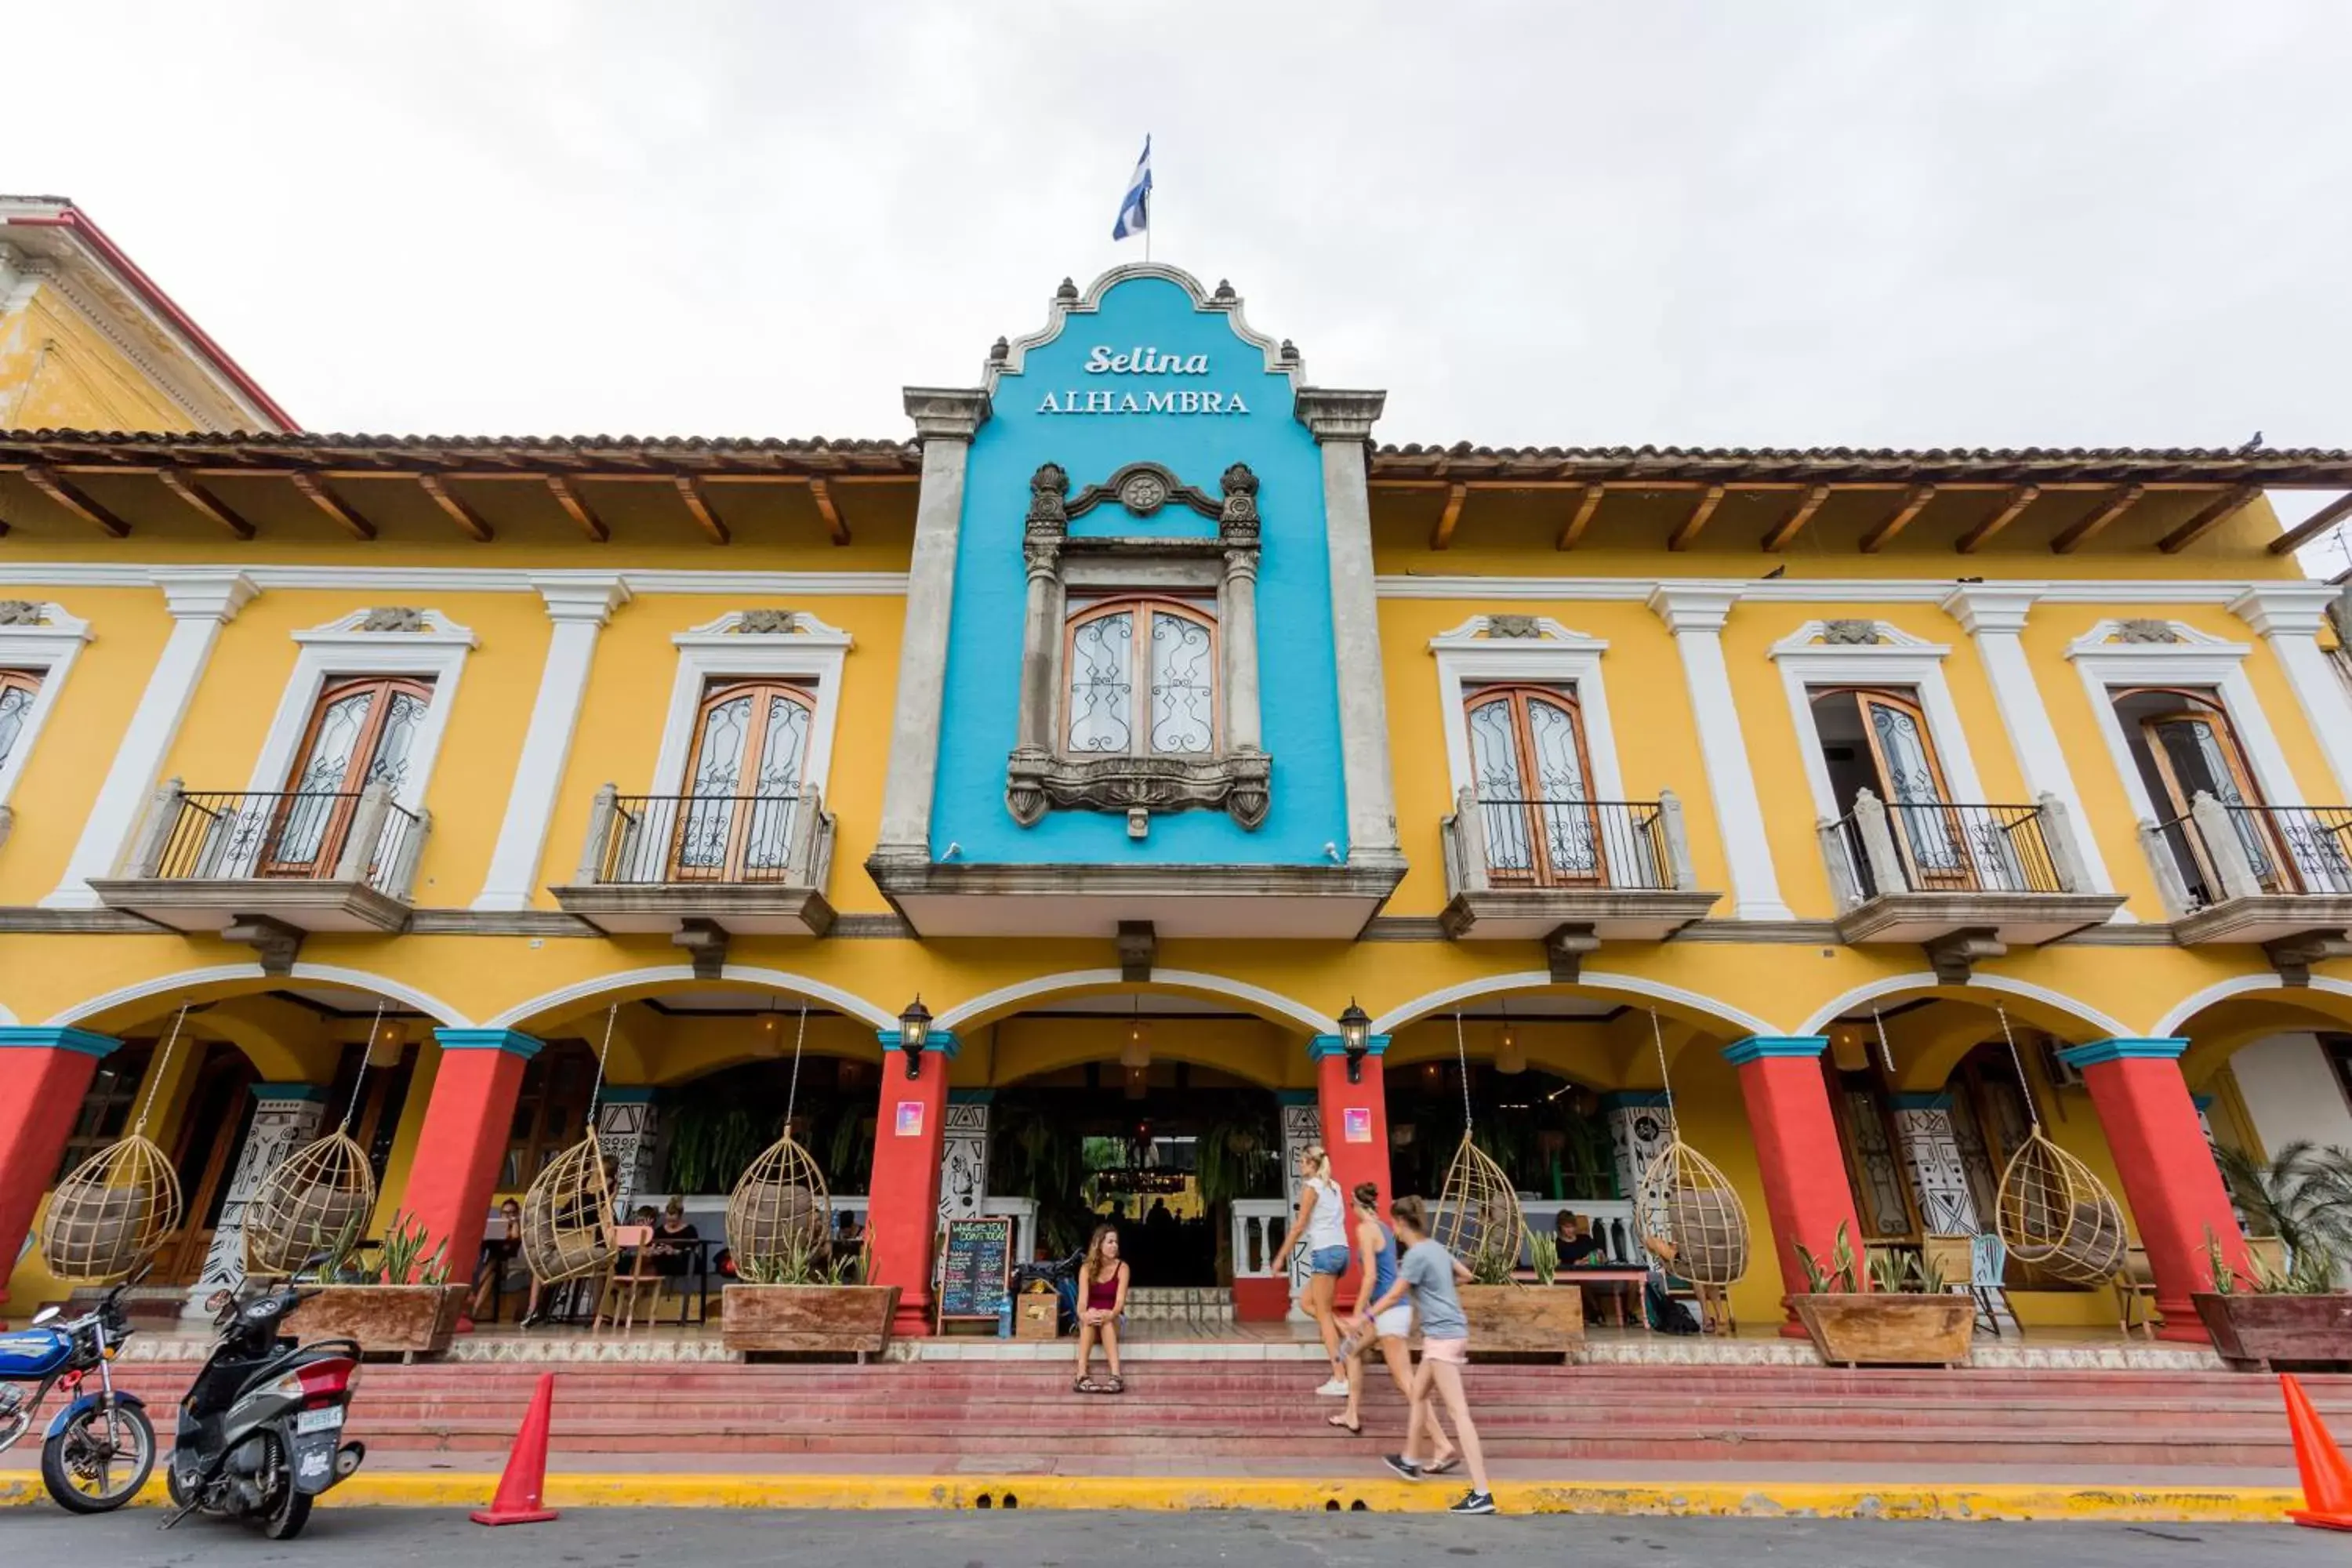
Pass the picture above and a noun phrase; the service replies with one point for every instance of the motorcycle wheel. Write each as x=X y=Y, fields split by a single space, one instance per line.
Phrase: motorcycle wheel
x=114 y=1449
x=285 y=1521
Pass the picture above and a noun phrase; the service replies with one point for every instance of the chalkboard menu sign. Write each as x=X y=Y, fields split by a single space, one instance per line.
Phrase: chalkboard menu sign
x=976 y=1273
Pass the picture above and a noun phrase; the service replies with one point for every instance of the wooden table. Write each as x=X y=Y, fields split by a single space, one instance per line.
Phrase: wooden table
x=1622 y=1280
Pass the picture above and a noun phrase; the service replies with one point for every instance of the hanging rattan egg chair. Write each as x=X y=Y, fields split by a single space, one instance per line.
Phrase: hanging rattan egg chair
x=2055 y=1216
x=567 y=1215
x=1686 y=1203
x=322 y=1193
x=112 y=1213
x=780 y=1208
x=1478 y=1216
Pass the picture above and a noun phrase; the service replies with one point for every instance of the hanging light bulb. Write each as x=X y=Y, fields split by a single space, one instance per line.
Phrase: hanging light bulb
x=1510 y=1056
x=1135 y=1052
x=1138 y=1080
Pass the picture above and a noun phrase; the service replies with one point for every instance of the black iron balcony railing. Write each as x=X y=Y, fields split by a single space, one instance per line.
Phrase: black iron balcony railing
x=359 y=836
x=1575 y=844
x=1939 y=846
x=2243 y=851
x=660 y=840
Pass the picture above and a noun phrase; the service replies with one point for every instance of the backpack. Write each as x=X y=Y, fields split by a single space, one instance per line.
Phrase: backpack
x=1666 y=1315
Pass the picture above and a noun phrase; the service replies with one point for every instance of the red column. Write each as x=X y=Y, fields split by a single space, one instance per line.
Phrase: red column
x=1797 y=1152
x=2175 y=1190
x=467 y=1123
x=44 y=1073
x=902 y=1204
x=1355 y=1121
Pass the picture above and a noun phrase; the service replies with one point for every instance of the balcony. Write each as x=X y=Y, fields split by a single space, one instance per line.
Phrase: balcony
x=703 y=867
x=2277 y=875
x=1963 y=881
x=270 y=868
x=1571 y=873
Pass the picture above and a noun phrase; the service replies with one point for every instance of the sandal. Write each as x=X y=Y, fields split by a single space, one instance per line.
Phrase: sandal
x=1352 y=1428
x=1114 y=1385
x=1085 y=1385
x=1451 y=1462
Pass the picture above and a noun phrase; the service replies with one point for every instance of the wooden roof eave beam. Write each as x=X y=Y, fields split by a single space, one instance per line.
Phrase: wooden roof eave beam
x=1683 y=538
x=203 y=502
x=465 y=517
x=698 y=505
x=1914 y=502
x=836 y=527
x=2019 y=498
x=314 y=490
x=1588 y=505
x=1443 y=534
x=2076 y=534
x=2312 y=527
x=1794 y=523
x=2227 y=505
x=581 y=514
x=72 y=499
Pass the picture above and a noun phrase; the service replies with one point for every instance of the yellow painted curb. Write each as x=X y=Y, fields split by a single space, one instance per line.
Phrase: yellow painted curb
x=1805 y=1500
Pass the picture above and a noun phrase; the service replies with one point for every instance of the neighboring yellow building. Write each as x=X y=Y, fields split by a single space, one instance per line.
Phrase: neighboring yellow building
x=1142 y=718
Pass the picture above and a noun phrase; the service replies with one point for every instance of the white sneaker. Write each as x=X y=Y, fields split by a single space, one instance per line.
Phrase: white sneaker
x=1335 y=1389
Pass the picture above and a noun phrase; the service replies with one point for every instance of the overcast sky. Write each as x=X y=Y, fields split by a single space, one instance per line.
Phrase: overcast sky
x=1989 y=223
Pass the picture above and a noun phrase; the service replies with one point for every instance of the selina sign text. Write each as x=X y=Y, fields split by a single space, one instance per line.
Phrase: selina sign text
x=1102 y=360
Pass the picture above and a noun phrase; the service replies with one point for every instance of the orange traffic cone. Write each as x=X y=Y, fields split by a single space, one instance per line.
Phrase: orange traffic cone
x=2327 y=1478
x=525 y=1477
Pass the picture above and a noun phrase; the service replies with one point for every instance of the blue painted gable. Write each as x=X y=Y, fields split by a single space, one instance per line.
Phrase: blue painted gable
x=1148 y=375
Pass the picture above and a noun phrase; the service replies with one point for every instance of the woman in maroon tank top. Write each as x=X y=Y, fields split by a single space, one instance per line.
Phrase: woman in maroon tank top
x=1102 y=1297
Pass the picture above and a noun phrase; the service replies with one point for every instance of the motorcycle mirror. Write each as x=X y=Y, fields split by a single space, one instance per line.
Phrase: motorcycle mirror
x=218 y=1299
x=43 y=1315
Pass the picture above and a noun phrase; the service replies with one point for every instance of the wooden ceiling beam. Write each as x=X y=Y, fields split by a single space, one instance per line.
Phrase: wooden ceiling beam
x=1443 y=534
x=2312 y=527
x=689 y=490
x=465 y=517
x=835 y=526
x=205 y=504
x=2226 y=506
x=1794 y=523
x=1587 y=506
x=2020 y=498
x=581 y=514
x=66 y=495
x=1687 y=535
x=2074 y=535
x=314 y=490
x=1913 y=503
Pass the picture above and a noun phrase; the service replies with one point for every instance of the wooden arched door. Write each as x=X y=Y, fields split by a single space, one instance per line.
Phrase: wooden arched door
x=1533 y=775
x=743 y=784
x=2195 y=752
x=361 y=732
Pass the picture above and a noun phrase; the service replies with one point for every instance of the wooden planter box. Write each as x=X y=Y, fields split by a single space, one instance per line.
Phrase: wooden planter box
x=1882 y=1329
x=408 y=1321
x=2254 y=1333
x=807 y=1317
x=1525 y=1319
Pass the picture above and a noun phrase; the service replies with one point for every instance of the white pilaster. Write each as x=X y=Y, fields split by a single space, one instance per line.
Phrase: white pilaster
x=1695 y=616
x=2287 y=615
x=946 y=421
x=1342 y=422
x=201 y=601
x=1993 y=614
x=579 y=609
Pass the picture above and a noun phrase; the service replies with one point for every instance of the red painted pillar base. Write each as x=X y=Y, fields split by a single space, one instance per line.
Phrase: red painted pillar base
x=1806 y=1193
x=2175 y=1190
x=902 y=1204
x=44 y=1073
x=467 y=1124
x=1355 y=1121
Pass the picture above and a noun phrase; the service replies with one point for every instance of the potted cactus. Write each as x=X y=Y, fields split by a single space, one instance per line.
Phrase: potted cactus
x=1891 y=1310
x=1507 y=1316
x=2285 y=1311
x=401 y=1303
x=806 y=1297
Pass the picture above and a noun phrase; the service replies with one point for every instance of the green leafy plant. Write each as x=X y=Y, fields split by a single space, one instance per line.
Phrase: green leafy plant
x=1543 y=1257
x=2217 y=1265
x=2304 y=1197
x=402 y=1255
x=1491 y=1265
x=713 y=1140
x=2310 y=1273
x=335 y=1260
x=1901 y=1272
x=805 y=1260
x=1840 y=1277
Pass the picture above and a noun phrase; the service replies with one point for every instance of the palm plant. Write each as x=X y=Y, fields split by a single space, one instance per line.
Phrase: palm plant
x=2304 y=1197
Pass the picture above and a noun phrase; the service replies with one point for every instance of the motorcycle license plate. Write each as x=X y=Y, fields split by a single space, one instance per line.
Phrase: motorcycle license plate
x=331 y=1419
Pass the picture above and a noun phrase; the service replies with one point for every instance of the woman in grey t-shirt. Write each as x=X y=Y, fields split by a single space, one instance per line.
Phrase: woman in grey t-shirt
x=1429 y=1273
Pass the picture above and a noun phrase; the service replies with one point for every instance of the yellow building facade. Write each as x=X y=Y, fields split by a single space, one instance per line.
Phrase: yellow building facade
x=1209 y=775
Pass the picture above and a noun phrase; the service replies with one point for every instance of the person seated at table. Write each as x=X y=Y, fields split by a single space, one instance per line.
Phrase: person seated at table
x=672 y=1258
x=500 y=1267
x=1572 y=1234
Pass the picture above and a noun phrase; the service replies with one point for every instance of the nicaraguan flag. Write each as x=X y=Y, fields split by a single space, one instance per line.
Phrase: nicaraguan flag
x=1135 y=211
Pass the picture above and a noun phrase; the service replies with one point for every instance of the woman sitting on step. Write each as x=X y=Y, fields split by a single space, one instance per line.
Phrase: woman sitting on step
x=1102 y=1298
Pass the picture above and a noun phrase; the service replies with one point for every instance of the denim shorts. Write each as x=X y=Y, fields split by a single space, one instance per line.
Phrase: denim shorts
x=1327 y=1260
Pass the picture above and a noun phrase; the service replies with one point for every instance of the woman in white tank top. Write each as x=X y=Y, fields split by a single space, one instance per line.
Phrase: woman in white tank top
x=1320 y=1231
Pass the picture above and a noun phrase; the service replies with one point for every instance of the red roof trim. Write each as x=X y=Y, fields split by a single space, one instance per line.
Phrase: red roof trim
x=73 y=218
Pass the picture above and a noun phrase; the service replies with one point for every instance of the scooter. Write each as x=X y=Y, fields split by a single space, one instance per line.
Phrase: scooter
x=261 y=1427
x=98 y=1450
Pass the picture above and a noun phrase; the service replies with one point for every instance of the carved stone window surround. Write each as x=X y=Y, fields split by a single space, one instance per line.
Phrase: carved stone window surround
x=1042 y=774
x=735 y=646
x=436 y=650
x=2107 y=659
x=45 y=640
x=1809 y=662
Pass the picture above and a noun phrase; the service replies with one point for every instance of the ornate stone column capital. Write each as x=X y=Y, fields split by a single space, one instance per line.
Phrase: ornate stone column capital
x=1334 y=415
x=951 y=413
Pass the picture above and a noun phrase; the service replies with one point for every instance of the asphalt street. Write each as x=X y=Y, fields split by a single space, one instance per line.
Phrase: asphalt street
x=623 y=1538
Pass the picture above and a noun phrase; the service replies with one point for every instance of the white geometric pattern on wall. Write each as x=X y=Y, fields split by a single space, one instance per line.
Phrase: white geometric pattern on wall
x=628 y=1131
x=963 y=1160
x=1923 y=1125
x=281 y=1123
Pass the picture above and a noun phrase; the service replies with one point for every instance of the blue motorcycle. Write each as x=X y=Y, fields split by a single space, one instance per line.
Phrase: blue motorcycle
x=98 y=1451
